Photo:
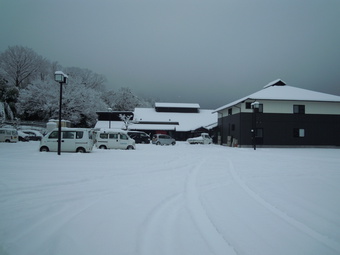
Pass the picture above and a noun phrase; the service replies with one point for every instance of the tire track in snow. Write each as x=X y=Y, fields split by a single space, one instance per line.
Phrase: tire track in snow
x=161 y=224
x=214 y=239
x=303 y=228
x=51 y=225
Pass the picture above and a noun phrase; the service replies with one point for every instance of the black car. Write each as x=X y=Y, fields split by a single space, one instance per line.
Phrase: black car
x=139 y=136
x=33 y=135
x=23 y=137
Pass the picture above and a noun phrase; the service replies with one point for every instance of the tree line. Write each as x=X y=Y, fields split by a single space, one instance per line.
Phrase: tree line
x=28 y=88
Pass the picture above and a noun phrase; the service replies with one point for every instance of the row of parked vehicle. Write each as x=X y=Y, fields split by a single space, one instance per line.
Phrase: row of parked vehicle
x=83 y=140
x=11 y=135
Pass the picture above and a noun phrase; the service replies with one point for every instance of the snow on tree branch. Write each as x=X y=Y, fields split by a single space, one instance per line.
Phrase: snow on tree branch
x=127 y=120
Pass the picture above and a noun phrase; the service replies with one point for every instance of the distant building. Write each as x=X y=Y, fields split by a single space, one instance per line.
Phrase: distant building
x=286 y=116
x=180 y=120
x=111 y=119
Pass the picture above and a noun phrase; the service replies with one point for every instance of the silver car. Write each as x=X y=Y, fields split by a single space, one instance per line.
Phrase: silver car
x=160 y=139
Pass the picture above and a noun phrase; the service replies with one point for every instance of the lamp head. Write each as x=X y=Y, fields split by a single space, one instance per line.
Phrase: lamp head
x=60 y=77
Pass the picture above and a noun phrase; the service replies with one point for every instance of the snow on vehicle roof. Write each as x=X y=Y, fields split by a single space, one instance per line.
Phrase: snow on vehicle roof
x=111 y=130
x=285 y=93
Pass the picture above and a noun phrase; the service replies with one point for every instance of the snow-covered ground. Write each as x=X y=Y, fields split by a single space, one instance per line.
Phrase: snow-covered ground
x=158 y=200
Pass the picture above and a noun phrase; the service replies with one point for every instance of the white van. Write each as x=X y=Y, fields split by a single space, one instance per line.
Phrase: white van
x=8 y=135
x=114 y=139
x=72 y=140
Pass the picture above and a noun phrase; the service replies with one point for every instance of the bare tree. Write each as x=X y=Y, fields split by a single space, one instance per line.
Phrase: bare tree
x=90 y=79
x=127 y=119
x=109 y=97
x=125 y=100
x=19 y=64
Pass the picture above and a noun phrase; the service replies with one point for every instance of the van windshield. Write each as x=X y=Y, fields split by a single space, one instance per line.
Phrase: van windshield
x=124 y=137
x=53 y=135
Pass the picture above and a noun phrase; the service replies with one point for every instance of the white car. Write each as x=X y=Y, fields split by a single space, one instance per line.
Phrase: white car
x=72 y=140
x=114 y=139
x=203 y=139
x=160 y=139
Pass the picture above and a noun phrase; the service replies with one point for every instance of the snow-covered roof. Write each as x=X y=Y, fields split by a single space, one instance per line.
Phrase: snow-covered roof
x=177 y=105
x=277 y=82
x=284 y=93
x=149 y=119
x=186 y=121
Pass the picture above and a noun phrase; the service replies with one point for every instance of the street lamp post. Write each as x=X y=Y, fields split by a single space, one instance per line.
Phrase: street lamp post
x=110 y=114
x=255 y=106
x=60 y=77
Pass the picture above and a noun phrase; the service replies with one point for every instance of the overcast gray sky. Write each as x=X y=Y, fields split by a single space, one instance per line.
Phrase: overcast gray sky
x=195 y=51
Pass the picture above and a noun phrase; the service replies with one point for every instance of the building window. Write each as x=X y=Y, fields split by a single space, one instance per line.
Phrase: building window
x=249 y=106
x=260 y=108
x=230 y=111
x=299 y=132
x=298 y=109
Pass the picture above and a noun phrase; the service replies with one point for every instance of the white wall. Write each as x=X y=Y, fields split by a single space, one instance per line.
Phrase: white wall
x=287 y=107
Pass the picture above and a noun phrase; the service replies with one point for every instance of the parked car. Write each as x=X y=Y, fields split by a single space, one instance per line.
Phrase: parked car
x=8 y=135
x=23 y=137
x=160 y=139
x=203 y=139
x=114 y=139
x=72 y=140
x=33 y=135
x=139 y=136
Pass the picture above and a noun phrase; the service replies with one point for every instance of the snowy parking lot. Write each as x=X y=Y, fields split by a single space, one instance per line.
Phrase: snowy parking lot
x=158 y=200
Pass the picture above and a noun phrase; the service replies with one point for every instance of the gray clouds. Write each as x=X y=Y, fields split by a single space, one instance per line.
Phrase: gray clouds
x=207 y=52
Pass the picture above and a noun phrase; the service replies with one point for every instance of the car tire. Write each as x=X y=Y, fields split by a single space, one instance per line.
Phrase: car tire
x=81 y=150
x=130 y=147
x=44 y=149
x=158 y=143
x=173 y=143
x=102 y=147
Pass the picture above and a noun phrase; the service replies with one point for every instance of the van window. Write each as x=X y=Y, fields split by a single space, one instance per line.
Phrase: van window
x=2 y=131
x=68 y=135
x=103 y=135
x=54 y=135
x=113 y=136
x=79 y=134
x=124 y=137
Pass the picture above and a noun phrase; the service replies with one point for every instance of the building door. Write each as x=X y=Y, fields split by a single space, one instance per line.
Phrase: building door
x=259 y=136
